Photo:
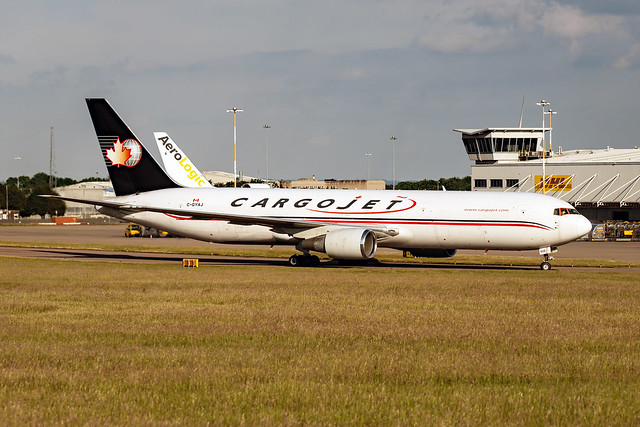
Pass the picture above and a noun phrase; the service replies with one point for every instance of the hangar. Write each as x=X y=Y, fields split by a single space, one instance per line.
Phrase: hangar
x=603 y=184
x=96 y=190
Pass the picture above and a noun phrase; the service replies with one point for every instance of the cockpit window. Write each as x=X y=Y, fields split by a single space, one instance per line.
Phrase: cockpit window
x=565 y=211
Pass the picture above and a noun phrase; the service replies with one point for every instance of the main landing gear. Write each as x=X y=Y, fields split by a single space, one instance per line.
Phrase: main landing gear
x=305 y=260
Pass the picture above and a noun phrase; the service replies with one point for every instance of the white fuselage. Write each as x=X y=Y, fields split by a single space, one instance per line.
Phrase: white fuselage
x=413 y=219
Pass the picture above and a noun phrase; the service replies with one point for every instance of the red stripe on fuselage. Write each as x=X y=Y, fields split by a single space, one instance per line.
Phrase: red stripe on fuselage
x=387 y=222
x=466 y=224
x=186 y=218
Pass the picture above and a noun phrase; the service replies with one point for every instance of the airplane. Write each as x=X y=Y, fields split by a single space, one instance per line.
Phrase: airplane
x=178 y=166
x=344 y=224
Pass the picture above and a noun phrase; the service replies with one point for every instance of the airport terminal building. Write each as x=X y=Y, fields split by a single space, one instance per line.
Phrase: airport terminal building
x=603 y=184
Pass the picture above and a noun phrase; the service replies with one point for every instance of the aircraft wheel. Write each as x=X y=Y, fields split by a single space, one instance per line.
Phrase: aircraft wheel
x=295 y=261
x=545 y=266
x=304 y=261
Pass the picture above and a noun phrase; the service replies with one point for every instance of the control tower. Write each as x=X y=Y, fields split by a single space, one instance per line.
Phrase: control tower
x=492 y=145
x=603 y=184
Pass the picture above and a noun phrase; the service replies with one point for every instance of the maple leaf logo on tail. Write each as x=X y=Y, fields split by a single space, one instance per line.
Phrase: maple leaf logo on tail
x=118 y=154
x=127 y=153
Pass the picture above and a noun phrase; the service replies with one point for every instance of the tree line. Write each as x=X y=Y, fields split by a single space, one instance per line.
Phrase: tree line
x=22 y=194
x=451 y=184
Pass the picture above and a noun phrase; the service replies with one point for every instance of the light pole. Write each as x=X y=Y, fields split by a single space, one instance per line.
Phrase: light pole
x=543 y=103
x=551 y=113
x=18 y=158
x=266 y=129
x=234 y=110
x=393 y=159
x=368 y=156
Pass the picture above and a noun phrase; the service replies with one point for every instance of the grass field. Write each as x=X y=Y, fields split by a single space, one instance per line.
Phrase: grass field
x=108 y=343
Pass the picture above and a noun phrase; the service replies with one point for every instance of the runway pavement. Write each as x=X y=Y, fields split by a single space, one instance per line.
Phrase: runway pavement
x=114 y=235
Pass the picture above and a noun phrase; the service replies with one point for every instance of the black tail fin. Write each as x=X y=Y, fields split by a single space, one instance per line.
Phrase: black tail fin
x=131 y=167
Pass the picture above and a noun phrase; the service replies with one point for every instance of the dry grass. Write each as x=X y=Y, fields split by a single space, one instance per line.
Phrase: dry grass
x=105 y=343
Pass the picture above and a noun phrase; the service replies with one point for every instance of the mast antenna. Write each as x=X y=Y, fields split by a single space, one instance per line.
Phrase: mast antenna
x=51 y=162
x=521 y=112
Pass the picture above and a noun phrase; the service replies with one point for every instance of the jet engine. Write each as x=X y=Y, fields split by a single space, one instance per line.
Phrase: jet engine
x=347 y=243
x=432 y=253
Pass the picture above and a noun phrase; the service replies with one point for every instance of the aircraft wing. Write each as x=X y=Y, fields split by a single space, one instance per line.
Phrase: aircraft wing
x=288 y=226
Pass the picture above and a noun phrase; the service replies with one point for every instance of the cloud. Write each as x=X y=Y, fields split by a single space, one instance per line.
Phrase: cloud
x=602 y=38
x=615 y=7
x=6 y=59
x=502 y=26
x=631 y=60
x=454 y=42
x=463 y=26
x=571 y=23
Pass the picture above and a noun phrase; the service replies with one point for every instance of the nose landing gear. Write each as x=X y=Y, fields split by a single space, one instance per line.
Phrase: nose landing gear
x=545 y=252
x=546 y=265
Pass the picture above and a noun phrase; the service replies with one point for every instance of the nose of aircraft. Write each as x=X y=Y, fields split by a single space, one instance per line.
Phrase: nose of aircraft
x=583 y=226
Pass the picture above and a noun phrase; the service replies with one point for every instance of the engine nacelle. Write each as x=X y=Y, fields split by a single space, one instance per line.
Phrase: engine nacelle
x=347 y=243
x=431 y=253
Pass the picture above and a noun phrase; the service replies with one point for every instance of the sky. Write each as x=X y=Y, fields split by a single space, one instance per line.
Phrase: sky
x=335 y=79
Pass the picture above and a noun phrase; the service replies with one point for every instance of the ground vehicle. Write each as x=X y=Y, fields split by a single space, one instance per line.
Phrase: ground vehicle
x=153 y=232
x=133 y=230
